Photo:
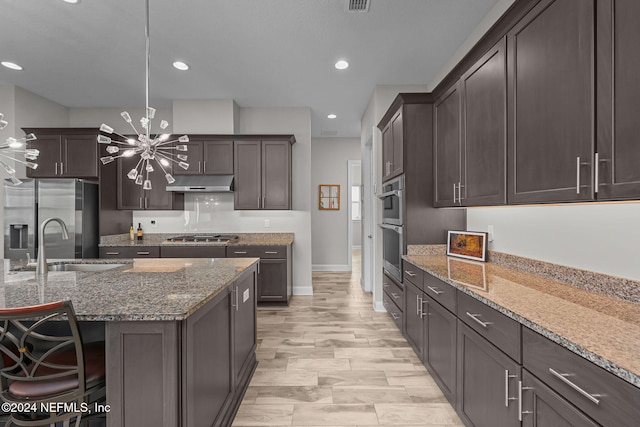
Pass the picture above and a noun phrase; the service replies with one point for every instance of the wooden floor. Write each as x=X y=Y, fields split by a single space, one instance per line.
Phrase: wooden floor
x=331 y=360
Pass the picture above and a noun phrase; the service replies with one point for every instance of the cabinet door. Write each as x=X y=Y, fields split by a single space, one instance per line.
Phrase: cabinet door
x=618 y=68
x=413 y=314
x=49 y=157
x=129 y=193
x=387 y=152
x=158 y=197
x=484 y=139
x=247 y=175
x=551 y=87
x=446 y=146
x=487 y=382
x=79 y=157
x=276 y=175
x=272 y=280
x=440 y=350
x=194 y=158
x=244 y=323
x=542 y=406
x=217 y=157
x=192 y=252
x=398 y=144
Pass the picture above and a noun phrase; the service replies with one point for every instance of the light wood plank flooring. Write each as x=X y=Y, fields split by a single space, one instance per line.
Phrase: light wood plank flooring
x=331 y=360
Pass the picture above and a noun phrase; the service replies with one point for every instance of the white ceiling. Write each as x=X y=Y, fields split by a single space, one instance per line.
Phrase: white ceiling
x=261 y=53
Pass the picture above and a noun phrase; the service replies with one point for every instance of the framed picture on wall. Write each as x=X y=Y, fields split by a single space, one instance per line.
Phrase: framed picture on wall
x=329 y=197
x=467 y=244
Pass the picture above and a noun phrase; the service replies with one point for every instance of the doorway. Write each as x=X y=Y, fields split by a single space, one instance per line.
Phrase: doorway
x=354 y=228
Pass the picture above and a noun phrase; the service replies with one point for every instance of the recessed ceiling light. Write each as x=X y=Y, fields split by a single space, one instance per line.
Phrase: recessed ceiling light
x=181 y=66
x=72 y=1
x=11 y=65
x=342 y=64
x=331 y=116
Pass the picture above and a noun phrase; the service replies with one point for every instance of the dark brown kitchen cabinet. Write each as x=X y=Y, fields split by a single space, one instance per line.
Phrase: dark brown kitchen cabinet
x=193 y=251
x=441 y=345
x=208 y=157
x=541 y=406
x=413 y=318
x=393 y=300
x=65 y=153
x=446 y=148
x=243 y=303
x=487 y=383
x=262 y=174
x=134 y=251
x=131 y=196
x=618 y=91
x=551 y=103
x=392 y=147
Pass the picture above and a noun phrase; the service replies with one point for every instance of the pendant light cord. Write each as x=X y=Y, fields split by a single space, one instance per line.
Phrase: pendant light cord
x=146 y=33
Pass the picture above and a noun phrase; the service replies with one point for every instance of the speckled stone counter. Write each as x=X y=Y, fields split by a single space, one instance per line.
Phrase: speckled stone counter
x=160 y=239
x=140 y=290
x=598 y=327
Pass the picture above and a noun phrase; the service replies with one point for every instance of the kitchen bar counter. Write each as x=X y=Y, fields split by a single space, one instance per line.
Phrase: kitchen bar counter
x=140 y=290
x=598 y=327
x=160 y=239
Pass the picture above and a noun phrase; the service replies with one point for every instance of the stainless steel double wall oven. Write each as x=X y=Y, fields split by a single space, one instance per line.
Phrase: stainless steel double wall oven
x=393 y=239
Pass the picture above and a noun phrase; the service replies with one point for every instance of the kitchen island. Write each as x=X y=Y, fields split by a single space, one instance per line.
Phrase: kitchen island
x=180 y=333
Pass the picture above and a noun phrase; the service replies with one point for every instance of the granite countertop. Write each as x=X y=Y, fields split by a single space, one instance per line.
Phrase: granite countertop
x=601 y=328
x=140 y=290
x=160 y=239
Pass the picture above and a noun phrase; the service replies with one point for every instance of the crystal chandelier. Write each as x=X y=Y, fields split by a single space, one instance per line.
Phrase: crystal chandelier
x=14 y=146
x=157 y=149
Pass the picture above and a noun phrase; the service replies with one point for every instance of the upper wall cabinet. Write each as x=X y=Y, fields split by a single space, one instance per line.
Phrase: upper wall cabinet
x=208 y=156
x=470 y=137
x=551 y=103
x=392 y=147
x=262 y=174
x=65 y=153
x=618 y=68
x=131 y=196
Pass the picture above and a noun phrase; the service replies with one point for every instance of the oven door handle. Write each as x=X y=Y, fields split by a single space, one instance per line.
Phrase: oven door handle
x=397 y=193
x=397 y=229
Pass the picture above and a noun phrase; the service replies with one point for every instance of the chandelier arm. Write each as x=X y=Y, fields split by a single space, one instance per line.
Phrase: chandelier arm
x=166 y=157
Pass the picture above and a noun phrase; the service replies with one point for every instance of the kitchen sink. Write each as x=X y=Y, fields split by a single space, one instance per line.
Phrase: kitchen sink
x=83 y=267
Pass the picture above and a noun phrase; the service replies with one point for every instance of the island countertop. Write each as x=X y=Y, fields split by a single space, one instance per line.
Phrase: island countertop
x=160 y=239
x=165 y=289
x=598 y=327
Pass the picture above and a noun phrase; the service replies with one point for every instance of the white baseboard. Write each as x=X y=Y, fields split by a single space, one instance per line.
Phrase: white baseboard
x=303 y=290
x=329 y=267
x=377 y=306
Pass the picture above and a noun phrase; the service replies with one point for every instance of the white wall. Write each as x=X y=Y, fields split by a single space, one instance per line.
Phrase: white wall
x=330 y=228
x=94 y=117
x=597 y=237
x=215 y=116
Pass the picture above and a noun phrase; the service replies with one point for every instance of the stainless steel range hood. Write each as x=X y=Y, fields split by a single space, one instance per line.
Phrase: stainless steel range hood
x=202 y=184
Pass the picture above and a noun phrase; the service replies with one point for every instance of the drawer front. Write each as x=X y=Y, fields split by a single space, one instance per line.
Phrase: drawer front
x=440 y=291
x=193 y=252
x=413 y=274
x=129 y=252
x=257 y=252
x=500 y=330
x=394 y=290
x=609 y=400
x=393 y=310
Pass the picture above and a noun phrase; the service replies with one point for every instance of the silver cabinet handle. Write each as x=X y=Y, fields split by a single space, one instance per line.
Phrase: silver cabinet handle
x=454 y=192
x=459 y=192
x=395 y=316
x=234 y=298
x=507 y=377
x=480 y=322
x=146 y=203
x=270 y=252
x=577 y=175
x=237 y=304
x=264 y=199
x=204 y=166
x=56 y=172
x=563 y=378
x=418 y=306
x=395 y=295
x=142 y=253
x=113 y=253
x=240 y=252
x=410 y=273
x=422 y=313
x=596 y=172
x=140 y=202
x=520 y=411
x=61 y=168
x=435 y=290
x=199 y=164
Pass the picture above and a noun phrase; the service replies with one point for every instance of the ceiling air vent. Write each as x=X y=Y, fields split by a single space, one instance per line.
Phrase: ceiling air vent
x=358 y=5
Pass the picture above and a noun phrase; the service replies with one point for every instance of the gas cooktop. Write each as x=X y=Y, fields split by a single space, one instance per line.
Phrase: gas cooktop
x=219 y=238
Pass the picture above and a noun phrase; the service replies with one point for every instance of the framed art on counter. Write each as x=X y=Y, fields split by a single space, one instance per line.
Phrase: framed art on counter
x=467 y=244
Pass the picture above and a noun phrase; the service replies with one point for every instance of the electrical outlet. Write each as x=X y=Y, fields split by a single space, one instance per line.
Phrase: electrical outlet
x=490 y=232
x=267 y=223
x=153 y=223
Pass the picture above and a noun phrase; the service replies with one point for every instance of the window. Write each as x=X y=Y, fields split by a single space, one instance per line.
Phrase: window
x=355 y=203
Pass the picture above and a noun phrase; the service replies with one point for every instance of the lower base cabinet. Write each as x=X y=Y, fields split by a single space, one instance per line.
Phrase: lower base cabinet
x=441 y=347
x=487 y=382
x=413 y=318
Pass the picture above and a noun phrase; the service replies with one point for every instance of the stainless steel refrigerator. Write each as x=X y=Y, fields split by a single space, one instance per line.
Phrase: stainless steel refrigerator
x=27 y=205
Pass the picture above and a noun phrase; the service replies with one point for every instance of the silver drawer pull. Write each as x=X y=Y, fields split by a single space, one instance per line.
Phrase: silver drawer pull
x=410 y=273
x=395 y=316
x=563 y=378
x=270 y=252
x=435 y=290
x=395 y=295
x=113 y=253
x=143 y=252
x=480 y=322
x=239 y=252
x=384 y=285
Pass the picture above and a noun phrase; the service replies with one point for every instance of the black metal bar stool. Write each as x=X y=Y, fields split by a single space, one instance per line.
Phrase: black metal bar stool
x=48 y=378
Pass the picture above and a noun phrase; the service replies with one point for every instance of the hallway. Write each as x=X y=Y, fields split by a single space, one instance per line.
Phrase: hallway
x=331 y=360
